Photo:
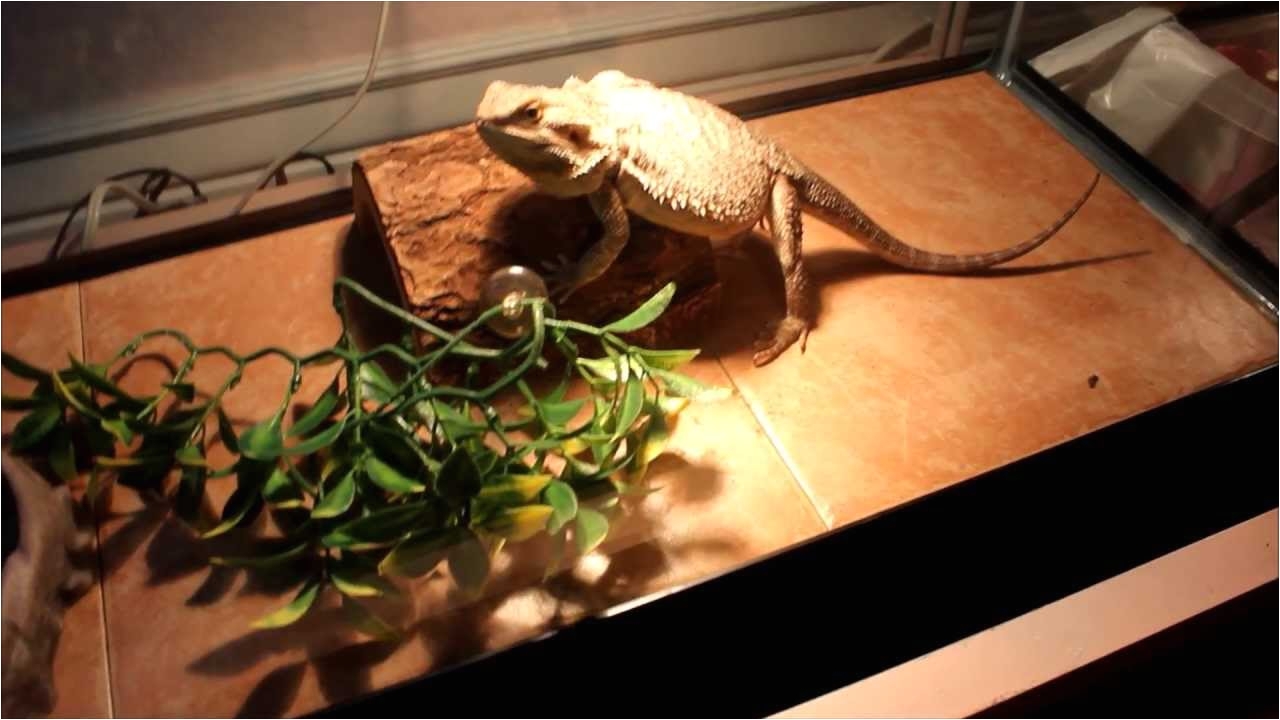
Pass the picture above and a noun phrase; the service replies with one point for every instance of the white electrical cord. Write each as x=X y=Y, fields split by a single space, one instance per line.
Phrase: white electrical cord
x=364 y=87
x=99 y=196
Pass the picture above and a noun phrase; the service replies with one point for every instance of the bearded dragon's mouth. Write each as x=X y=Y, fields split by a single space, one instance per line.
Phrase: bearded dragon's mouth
x=490 y=130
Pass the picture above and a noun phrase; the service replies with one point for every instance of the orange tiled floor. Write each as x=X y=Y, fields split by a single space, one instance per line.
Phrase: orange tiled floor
x=909 y=383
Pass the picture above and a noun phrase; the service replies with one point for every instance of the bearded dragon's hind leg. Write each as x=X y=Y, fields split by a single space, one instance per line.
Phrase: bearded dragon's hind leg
x=785 y=222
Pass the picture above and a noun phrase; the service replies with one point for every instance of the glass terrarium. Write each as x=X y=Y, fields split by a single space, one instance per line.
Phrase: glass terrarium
x=513 y=358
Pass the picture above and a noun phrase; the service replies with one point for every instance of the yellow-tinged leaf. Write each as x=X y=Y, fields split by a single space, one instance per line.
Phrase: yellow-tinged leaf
x=512 y=489
x=338 y=499
x=293 y=611
x=262 y=561
x=519 y=523
x=419 y=554
x=358 y=583
x=672 y=405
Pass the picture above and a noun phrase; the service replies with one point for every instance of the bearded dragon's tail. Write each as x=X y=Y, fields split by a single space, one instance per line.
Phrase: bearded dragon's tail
x=832 y=206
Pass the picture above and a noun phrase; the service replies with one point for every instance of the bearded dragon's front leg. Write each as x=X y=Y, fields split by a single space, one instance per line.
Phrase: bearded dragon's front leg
x=570 y=276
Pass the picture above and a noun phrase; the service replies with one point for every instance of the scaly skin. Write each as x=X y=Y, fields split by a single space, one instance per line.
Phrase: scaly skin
x=683 y=163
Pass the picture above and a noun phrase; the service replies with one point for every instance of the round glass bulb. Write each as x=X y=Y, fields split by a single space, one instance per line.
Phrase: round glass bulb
x=507 y=287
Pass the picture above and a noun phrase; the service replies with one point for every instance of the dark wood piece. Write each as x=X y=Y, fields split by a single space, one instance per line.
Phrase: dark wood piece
x=449 y=213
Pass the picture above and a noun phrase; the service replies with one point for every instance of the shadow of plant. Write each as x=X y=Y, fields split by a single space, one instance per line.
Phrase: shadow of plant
x=450 y=629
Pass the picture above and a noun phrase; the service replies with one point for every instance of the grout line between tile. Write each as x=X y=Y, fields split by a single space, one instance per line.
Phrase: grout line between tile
x=824 y=514
x=97 y=533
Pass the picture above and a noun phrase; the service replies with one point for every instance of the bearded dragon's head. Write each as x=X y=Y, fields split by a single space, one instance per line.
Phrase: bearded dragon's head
x=540 y=130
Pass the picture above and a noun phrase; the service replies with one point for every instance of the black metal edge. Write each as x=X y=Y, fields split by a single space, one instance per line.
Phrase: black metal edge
x=96 y=263
x=1242 y=257
x=862 y=599
x=104 y=261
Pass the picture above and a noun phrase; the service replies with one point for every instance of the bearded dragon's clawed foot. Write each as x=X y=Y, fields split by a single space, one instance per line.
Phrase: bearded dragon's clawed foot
x=562 y=277
x=777 y=338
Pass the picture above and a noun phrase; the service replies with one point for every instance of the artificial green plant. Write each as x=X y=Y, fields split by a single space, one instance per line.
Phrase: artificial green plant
x=380 y=478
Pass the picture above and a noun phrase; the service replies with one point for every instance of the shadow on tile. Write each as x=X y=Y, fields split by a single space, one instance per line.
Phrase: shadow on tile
x=275 y=694
x=748 y=270
x=346 y=668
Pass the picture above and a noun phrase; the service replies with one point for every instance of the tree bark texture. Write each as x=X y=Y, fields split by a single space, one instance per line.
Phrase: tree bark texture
x=449 y=213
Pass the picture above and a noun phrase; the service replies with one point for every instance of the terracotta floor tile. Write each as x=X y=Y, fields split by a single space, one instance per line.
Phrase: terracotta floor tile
x=911 y=382
x=176 y=624
x=42 y=328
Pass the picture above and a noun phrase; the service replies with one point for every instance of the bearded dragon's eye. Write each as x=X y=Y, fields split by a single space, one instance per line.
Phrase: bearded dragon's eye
x=532 y=113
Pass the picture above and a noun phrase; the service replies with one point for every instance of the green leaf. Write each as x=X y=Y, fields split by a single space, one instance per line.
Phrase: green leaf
x=374 y=383
x=632 y=404
x=21 y=368
x=397 y=447
x=239 y=506
x=355 y=581
x=271 y=560
x=293 y=611
x=420 y=553
x=646 y=313
x=73 y=399
x=459 y=478
x=301 y=480
x=519 y=523
x=133 y=461
x=120 y=429
x=364 y=620
x=685 y=386
x=96 y=378
x=653 y=440
x=666 y=359
x=280 y=490
x=564 y=504
x=190 y=456
x=601 y=368
x=318 y=413
x=33 y=428
x=558 y=414
x=337 y=499
x=322 y=439
x=456 y=425
x=185 y=391
x=469 y=563
x=513 y=489
x=388 y=478
x=190 y=494
x=227 y=433
x=62 y=457
x=246 y=501
x=544 y=443
x=262 y=441
x=589 y=530
x=379 y=528
x=10 y=402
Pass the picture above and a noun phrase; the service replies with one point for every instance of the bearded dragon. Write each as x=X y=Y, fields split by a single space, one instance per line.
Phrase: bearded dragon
x=681 y=162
